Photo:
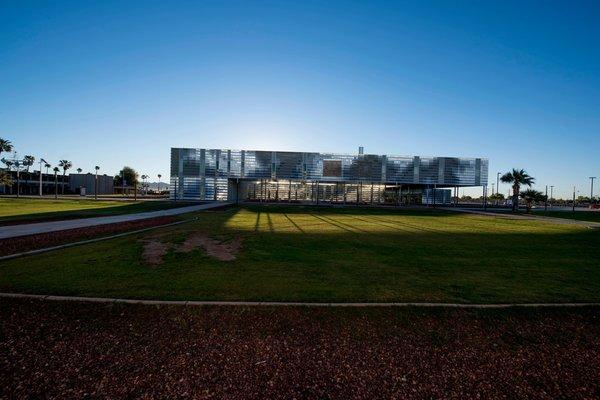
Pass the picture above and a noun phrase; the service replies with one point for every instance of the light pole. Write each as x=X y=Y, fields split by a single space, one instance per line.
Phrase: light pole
x=497 y=184
x=17 y=165
x=45 y=162
x=546 y=200
x=56 y=182
x=96 y=183
x=551 y=194
x=592 y=189
x=573 y=198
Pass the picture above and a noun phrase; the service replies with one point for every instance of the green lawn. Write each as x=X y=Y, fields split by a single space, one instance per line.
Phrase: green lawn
x=593 y=216
x=22 y=210
x=333 y=254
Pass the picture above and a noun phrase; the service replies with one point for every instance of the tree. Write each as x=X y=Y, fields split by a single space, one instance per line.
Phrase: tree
x=79 y=170
x=531 y=196
x=159 y=176
x=28 y=162
x=65 y=165
x=5 y=179
x=47 y=166
x=496 y=196
x=130 y=175
x=8 y=163
x=517 y=178
x=5 y=146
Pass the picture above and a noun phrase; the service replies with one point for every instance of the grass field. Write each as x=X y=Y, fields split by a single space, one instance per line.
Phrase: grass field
x=24 y=210
x=329 y=254
x=593 y=216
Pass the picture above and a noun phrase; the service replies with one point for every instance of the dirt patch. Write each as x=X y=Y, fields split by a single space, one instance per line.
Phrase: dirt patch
x=154 y=251
x=221 y=250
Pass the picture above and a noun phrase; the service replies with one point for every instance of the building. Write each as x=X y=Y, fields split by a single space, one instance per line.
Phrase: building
x=28 y=183
x=86 y=183
x=249 y=175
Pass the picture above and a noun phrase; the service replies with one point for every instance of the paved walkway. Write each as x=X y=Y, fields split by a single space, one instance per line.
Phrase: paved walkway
x=564 y=221
x=54 y=226
x=281 y=303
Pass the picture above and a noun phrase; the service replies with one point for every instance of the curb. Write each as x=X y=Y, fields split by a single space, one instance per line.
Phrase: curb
x=110 y=300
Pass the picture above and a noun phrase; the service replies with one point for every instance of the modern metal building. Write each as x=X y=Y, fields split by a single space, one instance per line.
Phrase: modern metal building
x=250 y=175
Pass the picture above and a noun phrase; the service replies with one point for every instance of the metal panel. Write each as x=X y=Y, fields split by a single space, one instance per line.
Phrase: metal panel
x=203 y=173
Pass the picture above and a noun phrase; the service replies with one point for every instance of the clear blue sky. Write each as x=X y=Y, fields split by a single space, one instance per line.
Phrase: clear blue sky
x=114 y=83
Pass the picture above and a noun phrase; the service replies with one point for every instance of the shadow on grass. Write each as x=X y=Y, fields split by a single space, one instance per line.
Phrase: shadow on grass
x=305 y=254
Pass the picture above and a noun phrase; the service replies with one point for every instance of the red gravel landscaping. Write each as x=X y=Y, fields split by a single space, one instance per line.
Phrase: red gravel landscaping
x=79 y=350
x=43 y=240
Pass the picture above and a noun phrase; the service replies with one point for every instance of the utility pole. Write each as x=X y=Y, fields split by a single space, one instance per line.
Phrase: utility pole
x=592 y=189
x=485 y=197
x=573 y=198
x=497 y=185
x=45 y=162
x=96 y=183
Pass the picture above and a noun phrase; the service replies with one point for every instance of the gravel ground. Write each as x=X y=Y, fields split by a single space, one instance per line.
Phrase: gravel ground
x=84 y=350
x=43 y=240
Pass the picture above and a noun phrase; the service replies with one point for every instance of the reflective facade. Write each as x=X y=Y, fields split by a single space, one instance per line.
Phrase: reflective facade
x=221 y=174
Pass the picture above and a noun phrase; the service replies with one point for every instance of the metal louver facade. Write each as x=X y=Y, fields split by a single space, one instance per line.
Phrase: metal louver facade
x=208 y=174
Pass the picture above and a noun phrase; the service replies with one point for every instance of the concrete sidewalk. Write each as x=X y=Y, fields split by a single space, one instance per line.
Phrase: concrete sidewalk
x=54 y=226
x=563 y=221
x=282 y=303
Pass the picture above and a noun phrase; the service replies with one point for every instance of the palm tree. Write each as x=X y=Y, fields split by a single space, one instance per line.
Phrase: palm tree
x=517 y=178
x=79 y=170
x=159 y=176
x=56 y=169
x=28 y=162
x=144 y=184
x=5 y=146
x=5 y=179
x=65 y=165
x=530 y=196
x=47 y=166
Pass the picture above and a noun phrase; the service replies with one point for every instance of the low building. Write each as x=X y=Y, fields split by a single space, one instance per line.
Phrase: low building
x=28 y=183
x=86 y=183
x=249 y=175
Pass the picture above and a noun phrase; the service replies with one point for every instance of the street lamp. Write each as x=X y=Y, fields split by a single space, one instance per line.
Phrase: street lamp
x=42 y=161
x=551 y=194
x=96 y=183
x=497 y=186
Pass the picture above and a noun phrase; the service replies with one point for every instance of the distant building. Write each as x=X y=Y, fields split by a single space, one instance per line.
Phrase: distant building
x=214 y=174
x=29 y=183
x=88 y=181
